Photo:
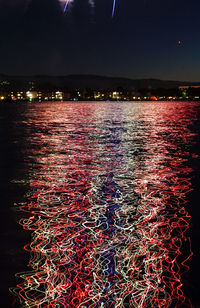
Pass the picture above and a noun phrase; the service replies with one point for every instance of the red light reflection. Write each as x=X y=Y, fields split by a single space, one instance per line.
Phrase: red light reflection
x=107 y=209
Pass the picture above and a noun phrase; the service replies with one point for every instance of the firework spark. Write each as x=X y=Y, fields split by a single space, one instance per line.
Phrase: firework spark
x=66 y=4
x=113 y=9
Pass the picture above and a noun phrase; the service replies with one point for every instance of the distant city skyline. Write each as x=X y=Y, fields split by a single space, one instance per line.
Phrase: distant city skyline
x=90 y=88
x=145 y=39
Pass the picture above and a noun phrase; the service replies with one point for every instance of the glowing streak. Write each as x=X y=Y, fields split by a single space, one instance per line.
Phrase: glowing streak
x=66 y=5
x=113 y=10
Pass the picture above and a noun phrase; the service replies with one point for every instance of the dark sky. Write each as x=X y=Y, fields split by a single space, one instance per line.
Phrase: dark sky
x=141 y=41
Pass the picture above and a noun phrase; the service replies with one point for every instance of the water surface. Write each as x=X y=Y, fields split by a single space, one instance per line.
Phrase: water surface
x=106 y=196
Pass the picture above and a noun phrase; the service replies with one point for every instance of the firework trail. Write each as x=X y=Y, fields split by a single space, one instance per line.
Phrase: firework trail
x=113 y=9
x=91 y=2
x=66 y=5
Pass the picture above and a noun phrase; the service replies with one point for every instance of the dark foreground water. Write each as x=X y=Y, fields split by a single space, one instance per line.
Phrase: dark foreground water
x=107 y=196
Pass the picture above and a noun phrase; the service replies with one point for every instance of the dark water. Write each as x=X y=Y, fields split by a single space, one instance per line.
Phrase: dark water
x=107 y=195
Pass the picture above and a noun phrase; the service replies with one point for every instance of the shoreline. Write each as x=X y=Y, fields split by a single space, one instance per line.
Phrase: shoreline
x=194 y=100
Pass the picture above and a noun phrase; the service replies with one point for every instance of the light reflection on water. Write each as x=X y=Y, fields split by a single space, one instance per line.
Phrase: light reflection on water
x=108 y=185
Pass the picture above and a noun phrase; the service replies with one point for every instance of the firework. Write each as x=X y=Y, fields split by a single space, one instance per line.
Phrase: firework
x=113 y=9
x=66 y=4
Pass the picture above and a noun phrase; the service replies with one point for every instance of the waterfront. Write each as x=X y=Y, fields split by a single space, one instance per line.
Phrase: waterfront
x=110 y=193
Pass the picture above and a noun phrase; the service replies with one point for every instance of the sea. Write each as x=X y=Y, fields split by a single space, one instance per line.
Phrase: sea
x=100 y=204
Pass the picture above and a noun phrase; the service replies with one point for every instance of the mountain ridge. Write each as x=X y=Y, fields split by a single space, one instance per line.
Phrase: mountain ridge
x=81 y=81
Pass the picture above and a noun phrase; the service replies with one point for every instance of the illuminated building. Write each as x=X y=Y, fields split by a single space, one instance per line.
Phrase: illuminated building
x=98 y=95
x=115 y=95
x=59 y=95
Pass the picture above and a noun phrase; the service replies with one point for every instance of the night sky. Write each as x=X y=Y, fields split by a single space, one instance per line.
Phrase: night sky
x=145 y=39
